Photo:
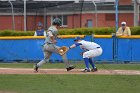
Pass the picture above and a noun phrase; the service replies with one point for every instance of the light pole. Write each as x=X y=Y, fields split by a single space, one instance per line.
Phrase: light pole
x=115 y=45
x=25 y=15
x=96 y=17
x=116 y=7
x=136 y=12
x=13 y=18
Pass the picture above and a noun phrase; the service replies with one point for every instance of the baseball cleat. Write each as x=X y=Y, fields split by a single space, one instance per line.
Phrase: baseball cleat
x=36 y=67
x=86 y=70
x=70 y=68
x=94 y=69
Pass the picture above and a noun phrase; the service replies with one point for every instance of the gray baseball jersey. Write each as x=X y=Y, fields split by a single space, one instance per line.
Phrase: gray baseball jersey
x=50 y=48
x=52 y=31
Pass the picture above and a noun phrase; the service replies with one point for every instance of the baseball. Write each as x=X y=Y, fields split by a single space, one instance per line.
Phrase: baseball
x=61 y=50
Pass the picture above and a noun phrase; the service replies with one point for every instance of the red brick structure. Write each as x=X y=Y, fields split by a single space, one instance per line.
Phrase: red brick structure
x=125 y=2
x=74 y=18
x=73 y=21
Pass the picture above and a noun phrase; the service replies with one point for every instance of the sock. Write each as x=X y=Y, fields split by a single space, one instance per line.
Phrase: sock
x=86 y=62
x=91 y=63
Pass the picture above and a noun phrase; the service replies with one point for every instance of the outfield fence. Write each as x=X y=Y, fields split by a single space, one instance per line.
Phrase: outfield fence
x=29 y=48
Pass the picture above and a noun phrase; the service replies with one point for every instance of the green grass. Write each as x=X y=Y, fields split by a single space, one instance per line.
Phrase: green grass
x=70 y=83
x=78 y=65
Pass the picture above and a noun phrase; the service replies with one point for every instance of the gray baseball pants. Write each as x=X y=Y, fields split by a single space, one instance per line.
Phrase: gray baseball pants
x=48 y=49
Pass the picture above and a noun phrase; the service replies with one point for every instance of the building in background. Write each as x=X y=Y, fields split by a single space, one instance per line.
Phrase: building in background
x=73 y=15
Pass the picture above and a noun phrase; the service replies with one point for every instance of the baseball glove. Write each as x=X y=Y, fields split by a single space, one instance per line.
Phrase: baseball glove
x=62 y=50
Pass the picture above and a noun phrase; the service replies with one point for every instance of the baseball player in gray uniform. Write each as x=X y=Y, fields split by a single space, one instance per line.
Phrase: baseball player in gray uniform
x=50 y=46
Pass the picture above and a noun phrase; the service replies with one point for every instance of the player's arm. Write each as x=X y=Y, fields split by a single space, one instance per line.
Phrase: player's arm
x=75 y=45
x=51 y=37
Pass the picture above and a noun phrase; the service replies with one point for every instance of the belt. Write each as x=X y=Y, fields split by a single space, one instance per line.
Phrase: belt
x=98 y=47
x=48 y=43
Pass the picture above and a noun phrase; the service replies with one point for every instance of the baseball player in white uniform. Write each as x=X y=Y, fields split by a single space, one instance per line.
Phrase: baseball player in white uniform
x=91 y=50
x=50 y=46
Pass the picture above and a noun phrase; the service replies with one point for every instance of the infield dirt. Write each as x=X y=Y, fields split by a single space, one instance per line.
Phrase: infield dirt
x=63 y=71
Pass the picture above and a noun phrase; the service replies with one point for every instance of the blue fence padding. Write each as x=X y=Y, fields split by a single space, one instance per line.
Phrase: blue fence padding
x=21 y=49
x=31 y=49
x=124 y=49
x=135 y=50
x=107 y=46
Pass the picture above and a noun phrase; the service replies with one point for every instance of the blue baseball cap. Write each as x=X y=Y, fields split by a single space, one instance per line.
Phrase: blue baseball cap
x=77 y=38
x=40 y=24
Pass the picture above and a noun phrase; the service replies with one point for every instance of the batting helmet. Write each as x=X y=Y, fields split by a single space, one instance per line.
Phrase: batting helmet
x=57 y=22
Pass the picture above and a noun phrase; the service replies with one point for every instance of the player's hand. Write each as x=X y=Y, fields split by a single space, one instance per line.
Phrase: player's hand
x=81 y=53
x=54 y=41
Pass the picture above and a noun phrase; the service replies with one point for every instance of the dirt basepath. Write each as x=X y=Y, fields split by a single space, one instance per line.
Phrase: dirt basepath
x=63 y=71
